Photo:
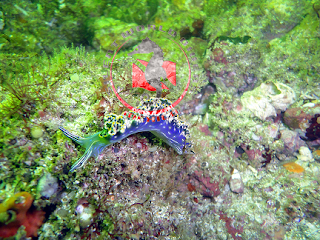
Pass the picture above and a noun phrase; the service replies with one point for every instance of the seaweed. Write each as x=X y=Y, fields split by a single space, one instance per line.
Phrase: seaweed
x=24 y=83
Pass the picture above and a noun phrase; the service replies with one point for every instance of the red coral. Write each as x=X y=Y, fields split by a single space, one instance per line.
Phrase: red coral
x=30 y=218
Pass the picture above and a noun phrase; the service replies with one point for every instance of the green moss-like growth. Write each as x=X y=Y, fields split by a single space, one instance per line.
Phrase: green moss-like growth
x=27 y=80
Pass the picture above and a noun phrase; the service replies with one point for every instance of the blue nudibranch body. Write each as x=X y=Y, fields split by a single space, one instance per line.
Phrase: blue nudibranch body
x=166 y=126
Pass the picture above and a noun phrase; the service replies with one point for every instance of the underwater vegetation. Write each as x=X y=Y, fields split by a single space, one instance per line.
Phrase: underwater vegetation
x=23 y=85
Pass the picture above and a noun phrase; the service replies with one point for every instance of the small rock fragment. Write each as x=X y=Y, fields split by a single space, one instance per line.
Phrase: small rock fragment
x=86 y=216
x=236 y=183
x=292 y=141
x=305 y=154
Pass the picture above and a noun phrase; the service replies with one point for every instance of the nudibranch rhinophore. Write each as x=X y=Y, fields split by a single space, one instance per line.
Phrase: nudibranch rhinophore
x=165 y=125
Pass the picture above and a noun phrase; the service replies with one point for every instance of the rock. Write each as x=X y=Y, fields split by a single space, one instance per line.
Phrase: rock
x=236 y=183
x=260 y=106
x=48 y=185
x=264 y=100
x=207 y=92
x=300 y=119
x=305 y=154
x=230 y=67
x=200 y=109
x=205 y=185
x=281 y=95
x=292 y=141
x=199 y=104
x=297 y=119
x=86 y=216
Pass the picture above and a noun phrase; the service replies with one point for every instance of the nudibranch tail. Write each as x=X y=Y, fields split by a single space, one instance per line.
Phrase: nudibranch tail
x=165 y=125
x=94 y=146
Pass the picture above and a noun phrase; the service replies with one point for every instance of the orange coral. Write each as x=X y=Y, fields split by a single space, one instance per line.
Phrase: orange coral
x=20 y=204
x=293 y=167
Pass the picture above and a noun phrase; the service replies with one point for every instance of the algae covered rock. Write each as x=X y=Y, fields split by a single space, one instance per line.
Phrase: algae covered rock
x=304 y=120
x=48 y=185
x=108 y=30
x=305 y=154
x=292 y=142
x=264 y=100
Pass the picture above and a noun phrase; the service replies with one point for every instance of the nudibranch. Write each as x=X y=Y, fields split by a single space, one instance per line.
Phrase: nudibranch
x=165 y=125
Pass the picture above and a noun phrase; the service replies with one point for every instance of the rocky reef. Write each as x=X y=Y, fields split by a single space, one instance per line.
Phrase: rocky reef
x=252 y=111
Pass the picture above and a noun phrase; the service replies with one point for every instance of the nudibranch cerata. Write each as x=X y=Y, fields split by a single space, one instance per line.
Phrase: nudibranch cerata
x=165 y=125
